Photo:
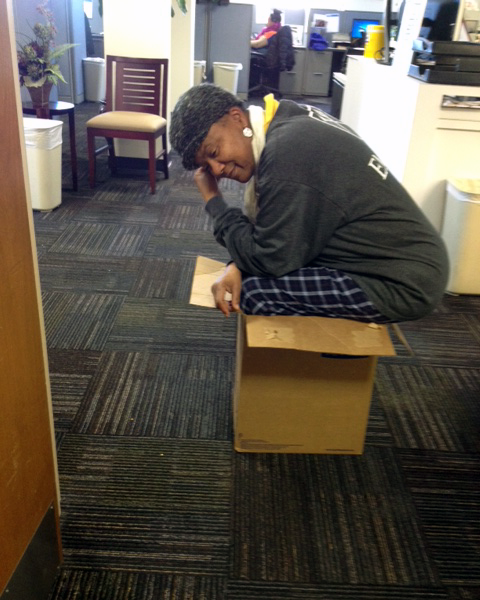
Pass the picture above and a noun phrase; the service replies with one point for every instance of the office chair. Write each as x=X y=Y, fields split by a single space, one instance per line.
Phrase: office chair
x=265 y=67
x=137 y=111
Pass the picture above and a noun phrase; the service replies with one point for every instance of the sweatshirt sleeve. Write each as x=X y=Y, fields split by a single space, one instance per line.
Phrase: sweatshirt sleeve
x=293 y=225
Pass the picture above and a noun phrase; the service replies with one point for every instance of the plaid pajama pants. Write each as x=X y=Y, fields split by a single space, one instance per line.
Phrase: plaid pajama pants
x=311 y=291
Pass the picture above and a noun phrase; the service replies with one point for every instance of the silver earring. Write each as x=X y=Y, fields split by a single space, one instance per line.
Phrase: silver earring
x=247 y=132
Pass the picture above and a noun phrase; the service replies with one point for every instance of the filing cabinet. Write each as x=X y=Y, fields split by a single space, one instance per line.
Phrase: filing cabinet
x=291 y=82
x=317 y=70
x=311 y=75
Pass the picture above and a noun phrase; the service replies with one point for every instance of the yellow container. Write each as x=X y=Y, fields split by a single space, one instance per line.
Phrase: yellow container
x=374 y=42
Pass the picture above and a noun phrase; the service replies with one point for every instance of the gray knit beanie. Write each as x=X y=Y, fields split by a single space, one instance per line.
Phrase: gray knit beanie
x=195 y=112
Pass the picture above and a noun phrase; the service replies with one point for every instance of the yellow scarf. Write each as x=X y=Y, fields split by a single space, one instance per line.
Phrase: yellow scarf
x=271 y=106
x=260 y=119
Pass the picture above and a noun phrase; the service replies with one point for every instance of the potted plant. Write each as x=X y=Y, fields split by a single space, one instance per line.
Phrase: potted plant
x=37 y=58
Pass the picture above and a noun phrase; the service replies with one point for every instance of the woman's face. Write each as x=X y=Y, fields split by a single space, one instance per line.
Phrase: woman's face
x=226 y=152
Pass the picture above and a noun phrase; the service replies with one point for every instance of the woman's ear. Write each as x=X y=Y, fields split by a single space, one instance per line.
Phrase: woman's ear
x=238 y=116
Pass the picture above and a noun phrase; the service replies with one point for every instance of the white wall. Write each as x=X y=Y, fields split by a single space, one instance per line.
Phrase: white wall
x=182 y=51
x=137 y=29
x=140 y=28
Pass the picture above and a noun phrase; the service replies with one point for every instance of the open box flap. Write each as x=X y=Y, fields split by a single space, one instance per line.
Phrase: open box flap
x=207 y=271
x=319 y=334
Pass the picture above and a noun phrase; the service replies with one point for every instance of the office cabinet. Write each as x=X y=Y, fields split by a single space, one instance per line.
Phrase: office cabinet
x=291 y=82
x=310 y=76
x=420 y=139
x=318 y=66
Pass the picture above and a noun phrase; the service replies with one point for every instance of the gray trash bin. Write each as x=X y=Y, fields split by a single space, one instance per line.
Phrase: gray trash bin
x=94 y=76
x=43 y=143
x=225 y=75
x=199 y=75
x=461 y=233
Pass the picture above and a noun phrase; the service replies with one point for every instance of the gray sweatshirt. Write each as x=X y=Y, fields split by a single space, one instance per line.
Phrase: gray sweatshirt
x=325 y=199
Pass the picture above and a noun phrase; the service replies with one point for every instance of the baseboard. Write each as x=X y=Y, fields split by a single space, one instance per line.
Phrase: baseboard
x=35 y=574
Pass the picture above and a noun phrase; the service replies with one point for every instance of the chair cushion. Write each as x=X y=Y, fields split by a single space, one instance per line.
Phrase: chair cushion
x=127 y=121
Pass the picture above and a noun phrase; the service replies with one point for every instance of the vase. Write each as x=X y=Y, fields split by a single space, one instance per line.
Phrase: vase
x=40 y=95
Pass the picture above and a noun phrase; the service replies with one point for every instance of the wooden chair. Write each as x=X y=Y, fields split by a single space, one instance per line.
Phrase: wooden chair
x=137 y=111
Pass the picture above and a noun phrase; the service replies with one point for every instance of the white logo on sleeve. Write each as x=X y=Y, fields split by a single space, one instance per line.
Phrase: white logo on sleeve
x=380 y=168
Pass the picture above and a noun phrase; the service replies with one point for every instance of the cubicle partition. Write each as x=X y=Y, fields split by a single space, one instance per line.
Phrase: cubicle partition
x=223 y=33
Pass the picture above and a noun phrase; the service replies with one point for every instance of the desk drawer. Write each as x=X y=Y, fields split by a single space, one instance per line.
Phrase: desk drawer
x=317 y=73
x=291 y=82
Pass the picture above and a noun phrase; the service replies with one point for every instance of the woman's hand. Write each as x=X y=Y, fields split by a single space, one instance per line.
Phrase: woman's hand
x=230 y=282
x=206 y=183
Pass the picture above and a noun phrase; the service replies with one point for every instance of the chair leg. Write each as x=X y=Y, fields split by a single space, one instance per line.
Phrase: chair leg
x=91 y=157
x=165 y=155
x=152 y=163
x=112 y=161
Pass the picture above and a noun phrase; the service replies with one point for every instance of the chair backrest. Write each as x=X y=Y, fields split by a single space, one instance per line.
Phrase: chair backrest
x=280 y=54
x=285 y=49
x=137 y=84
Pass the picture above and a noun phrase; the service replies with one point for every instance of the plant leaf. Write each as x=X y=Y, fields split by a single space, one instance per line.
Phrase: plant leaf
x=54 y=71
x=28 y=81
x=182 y=6
x=60 y=50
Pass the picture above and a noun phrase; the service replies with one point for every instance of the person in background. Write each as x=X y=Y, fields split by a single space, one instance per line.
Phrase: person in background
x=327 y=230
x=273 y=25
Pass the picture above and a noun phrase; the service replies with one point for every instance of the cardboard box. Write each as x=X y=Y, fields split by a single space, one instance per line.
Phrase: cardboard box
x=302 y=384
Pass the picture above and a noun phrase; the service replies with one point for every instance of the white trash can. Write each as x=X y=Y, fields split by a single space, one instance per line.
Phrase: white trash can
x=226 y=75
x=43 y=142
x=94 y=76
x=199 y=71
x=461 y=234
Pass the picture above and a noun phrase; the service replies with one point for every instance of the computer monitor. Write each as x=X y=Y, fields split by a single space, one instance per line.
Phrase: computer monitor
x=359 y=25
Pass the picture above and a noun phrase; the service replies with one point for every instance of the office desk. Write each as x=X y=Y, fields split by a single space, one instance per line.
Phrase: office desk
x=53 y=109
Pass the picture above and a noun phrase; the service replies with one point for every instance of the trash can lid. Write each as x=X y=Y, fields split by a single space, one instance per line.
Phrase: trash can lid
x=467 y=186
x=93 y=59
x=40 y=124
x=43 y=134
x=229 y=66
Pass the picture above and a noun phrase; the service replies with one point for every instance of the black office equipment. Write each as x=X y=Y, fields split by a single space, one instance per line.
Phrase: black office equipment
x=442 y=20
x=387 y=33
x=447 y=62
x=443 y=47
x=447 y=77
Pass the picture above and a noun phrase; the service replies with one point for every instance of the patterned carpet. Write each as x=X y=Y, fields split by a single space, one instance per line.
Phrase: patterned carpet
x=157 y=505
